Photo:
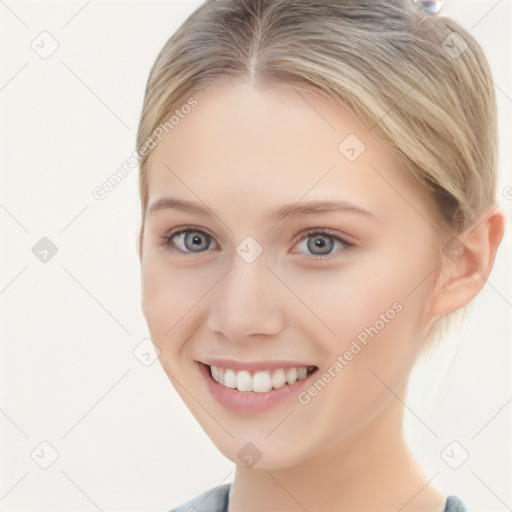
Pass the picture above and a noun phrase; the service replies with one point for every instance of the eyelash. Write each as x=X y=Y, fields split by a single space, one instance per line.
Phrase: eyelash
x=167 y=242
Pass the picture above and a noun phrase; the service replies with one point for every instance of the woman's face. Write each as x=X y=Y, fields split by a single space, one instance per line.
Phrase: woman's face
x=281 y=234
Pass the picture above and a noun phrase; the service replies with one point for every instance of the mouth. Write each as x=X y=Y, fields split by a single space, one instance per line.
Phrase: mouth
x=254 y=387
x=261 y=381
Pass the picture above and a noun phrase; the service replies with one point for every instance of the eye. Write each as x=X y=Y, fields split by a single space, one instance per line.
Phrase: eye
x=321 y=244
x=189 y=241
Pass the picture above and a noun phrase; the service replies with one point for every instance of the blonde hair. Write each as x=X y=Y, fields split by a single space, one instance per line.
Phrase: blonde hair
x=421 y=84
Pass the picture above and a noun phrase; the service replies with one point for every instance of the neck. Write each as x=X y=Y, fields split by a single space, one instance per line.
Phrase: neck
x=370 y=470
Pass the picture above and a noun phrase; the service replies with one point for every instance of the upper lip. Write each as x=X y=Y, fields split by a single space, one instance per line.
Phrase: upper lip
x=255 y=365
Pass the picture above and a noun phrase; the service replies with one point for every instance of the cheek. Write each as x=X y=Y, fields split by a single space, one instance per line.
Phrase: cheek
x=375 y=303
x=345 y=300
x=171 y=297
x=164 y=297
x=365 y=364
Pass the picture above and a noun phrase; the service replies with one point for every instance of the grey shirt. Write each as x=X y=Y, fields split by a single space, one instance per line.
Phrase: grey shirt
x=216 y=500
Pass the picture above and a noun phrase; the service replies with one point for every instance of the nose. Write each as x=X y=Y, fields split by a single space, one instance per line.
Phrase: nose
x=247 y=302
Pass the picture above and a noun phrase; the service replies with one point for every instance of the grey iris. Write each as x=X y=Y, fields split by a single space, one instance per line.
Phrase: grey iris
x=195 y=241
x=320 y=244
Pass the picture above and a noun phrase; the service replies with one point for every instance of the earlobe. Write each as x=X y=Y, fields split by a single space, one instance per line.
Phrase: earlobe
x=466 y=263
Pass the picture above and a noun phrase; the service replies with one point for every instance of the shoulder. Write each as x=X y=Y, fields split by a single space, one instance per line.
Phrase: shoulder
x=453 y=504
x=212 y=500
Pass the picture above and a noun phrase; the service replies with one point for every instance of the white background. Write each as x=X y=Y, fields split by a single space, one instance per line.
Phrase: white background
x=68 y=374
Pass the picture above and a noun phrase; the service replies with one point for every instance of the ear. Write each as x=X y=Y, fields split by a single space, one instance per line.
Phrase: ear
x=466 y=263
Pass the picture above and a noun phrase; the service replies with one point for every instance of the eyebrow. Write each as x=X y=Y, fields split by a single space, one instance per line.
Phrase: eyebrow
x=298 y=209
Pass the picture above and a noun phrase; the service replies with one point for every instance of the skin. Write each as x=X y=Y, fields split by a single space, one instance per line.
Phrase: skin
x=246 y=150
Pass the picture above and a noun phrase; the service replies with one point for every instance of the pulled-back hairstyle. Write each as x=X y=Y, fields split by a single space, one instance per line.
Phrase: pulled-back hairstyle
x=385 y=60
x=421 y=84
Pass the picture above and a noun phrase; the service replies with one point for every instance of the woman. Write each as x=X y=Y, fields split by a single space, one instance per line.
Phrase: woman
x=318 y=195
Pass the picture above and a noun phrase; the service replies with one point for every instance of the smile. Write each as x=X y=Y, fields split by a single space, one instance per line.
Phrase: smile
x=259 y=381
x=255 y=387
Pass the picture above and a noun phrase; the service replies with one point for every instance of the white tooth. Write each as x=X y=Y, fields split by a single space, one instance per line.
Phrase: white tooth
x=230 y=379
x=278 y=379
x=261 y=382
x=244 y=381
x=291 y=375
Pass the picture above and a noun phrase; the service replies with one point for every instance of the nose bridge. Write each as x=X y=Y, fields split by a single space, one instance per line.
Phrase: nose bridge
x=246 y=301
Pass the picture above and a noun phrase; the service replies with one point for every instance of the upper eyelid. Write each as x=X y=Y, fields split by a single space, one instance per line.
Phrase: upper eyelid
x=179 y=230
x=324 y=231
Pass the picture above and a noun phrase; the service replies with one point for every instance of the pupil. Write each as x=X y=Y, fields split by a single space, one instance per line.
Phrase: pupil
x=195 y=242
x=320 y=244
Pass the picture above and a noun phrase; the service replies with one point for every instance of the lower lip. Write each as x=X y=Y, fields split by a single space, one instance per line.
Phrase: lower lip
x=246 y=401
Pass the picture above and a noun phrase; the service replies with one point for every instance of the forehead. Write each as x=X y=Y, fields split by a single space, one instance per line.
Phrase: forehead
x=244 y=144
x=259 y=125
